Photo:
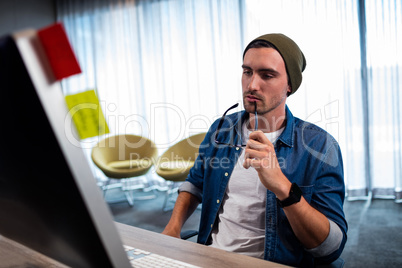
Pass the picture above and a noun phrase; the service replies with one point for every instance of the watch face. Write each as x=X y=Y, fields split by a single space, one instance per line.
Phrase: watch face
x=295 y=189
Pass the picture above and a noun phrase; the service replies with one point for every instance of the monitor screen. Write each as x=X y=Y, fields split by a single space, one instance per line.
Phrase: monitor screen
x=49 y=200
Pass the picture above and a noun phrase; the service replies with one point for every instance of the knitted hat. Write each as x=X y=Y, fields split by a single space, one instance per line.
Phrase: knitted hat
x=292 y=56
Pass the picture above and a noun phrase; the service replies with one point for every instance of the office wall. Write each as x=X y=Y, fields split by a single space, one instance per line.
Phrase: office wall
x=21 y=14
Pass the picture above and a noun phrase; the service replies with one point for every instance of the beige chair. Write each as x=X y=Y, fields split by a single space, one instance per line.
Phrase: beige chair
x=174 y=165
x=123 y=157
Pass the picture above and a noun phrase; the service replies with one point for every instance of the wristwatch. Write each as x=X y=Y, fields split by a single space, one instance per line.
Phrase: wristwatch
x=294 y=196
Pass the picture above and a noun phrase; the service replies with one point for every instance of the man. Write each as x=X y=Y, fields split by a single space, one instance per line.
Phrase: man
x=271 y=185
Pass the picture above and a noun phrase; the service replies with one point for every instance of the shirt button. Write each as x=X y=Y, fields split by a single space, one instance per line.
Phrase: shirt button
x=217 y=201
x=226 y=174
x=237 y=148
x=212 y=225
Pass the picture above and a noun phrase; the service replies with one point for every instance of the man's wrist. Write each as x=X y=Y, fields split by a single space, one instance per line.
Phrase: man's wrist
x=284 y=191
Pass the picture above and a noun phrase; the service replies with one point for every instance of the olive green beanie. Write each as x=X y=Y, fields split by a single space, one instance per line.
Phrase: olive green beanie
x=293 y=57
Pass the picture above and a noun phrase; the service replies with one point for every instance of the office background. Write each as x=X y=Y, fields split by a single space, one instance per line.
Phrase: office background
x=167 y=69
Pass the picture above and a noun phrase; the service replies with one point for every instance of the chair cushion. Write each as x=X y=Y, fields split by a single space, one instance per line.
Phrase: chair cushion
x=176 y=165
x=127 y=164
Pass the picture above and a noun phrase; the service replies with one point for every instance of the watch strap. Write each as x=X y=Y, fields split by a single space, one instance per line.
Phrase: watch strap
x=294 y=196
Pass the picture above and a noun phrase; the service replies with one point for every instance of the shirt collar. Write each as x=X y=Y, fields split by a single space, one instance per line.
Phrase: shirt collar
x=287 y=136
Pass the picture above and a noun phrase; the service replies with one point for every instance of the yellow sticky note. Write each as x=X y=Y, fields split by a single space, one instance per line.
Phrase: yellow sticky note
x=87 y=114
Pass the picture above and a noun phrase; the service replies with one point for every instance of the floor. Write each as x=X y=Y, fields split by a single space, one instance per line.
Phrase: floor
x=374 y=235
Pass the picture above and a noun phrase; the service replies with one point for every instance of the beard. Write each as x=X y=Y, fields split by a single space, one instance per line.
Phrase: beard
x=264 y=105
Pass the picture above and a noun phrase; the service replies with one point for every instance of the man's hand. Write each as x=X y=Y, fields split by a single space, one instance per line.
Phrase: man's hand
x=171 y=232
x=260 y=154
x=185 y=205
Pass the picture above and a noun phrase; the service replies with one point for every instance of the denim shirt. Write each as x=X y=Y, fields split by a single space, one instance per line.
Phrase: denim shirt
x=307 y=155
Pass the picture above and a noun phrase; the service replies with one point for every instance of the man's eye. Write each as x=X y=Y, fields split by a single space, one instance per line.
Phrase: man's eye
x=267 y=76
x=247 y=72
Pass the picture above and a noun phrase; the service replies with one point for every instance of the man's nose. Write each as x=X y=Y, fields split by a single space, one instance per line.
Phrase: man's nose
x=254 y=83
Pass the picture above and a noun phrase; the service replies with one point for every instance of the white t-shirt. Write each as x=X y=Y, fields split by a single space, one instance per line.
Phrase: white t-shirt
x=241 y=224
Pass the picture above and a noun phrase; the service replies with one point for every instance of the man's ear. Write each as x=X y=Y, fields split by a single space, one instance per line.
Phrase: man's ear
x=289 y=90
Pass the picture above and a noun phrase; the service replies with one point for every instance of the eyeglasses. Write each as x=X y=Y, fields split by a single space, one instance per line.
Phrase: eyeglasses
x=221 y=122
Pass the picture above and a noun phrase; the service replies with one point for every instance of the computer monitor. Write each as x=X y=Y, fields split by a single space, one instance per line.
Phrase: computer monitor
x=49 y=200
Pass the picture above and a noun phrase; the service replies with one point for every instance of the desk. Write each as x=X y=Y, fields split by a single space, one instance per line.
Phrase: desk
x=13 y=254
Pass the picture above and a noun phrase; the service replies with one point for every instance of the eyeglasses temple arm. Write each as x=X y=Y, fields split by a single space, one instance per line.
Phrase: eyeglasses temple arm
x=222 y=118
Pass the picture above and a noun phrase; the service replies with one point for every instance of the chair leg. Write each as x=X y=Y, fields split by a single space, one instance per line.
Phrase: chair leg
x=104 y=188
x=128 y=194
x=127 y=186
x=150 y=186
x=167 y=194
x=137 y=183
x=129 y=197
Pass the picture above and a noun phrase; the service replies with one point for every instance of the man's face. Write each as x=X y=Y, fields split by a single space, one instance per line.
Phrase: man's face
x=264 y=81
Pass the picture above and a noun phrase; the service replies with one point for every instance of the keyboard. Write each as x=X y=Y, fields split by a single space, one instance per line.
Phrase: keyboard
x=141 y=258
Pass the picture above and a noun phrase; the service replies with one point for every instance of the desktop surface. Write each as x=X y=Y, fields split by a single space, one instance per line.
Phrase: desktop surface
x=13 y=254
x=187 y=251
